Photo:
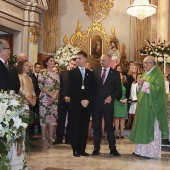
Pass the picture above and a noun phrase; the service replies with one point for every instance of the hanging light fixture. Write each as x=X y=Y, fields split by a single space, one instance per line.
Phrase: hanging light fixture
x=141 y=9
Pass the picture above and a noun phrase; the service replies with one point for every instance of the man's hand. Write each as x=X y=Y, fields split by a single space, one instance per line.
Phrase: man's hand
x=108 y=100
x=84 y=103
x=141 y=81
x=67 y=99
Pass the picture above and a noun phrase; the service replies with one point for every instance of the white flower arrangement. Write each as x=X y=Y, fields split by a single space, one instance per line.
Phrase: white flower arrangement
x=65 y=53
x=14 y=118
x=159 y=50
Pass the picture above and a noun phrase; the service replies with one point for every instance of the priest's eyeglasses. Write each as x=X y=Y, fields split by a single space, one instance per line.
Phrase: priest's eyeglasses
x=7 y=49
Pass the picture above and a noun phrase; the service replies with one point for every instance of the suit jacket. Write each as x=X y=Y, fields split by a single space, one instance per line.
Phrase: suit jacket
x=64 y=84
x=9 y=79
x=76 y=93
x=112 y=86
x=35 y=84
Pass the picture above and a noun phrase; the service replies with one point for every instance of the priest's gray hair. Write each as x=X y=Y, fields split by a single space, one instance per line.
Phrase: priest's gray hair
x=151 y=59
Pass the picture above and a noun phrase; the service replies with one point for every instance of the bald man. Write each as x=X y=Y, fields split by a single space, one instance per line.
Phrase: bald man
x=107 y=88
x=22 y=57
x=151 y=122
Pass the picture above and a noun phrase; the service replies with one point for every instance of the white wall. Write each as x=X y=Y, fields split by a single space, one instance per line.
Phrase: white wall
x=70 y=11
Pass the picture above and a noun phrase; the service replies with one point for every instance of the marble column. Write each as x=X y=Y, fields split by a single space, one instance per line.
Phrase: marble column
x=163 y=19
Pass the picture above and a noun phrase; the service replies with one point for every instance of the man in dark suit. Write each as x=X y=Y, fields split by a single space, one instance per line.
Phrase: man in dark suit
x=34 y=77
x=9 y=79
x=107 y=88
x=63 y=106
x=81 y=90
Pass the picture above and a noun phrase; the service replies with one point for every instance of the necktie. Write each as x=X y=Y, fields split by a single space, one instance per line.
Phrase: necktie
x=6 y=65
x=103 y=75
x=82 y=73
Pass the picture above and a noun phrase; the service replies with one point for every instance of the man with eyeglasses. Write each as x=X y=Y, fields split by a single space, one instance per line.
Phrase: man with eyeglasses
x=150 y=123
x=7 y=79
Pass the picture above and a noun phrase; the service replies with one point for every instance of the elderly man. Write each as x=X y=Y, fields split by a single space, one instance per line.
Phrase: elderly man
x=22 y=57
x=151 y=115
x=9 y=79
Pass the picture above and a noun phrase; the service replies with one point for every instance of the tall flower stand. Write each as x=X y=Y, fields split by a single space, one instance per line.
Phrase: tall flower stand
x=17 y=162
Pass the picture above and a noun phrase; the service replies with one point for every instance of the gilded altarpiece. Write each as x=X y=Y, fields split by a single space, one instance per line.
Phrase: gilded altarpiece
x=95 y=40
x=84 y=40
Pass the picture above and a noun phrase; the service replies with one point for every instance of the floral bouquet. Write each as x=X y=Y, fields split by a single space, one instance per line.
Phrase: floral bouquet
x=160 y=50
x=14 y=118
x=65 y=54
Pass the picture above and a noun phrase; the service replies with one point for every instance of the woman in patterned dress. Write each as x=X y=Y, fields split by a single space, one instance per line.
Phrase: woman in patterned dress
x=48 y=80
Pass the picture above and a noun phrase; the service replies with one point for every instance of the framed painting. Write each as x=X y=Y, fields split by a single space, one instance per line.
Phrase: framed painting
x=96 y=47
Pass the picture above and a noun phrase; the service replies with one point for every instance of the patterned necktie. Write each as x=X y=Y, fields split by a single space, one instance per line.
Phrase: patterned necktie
x=103 y=75
x=6 y=65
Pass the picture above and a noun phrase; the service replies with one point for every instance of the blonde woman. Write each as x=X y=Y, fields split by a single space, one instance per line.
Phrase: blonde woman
x=27 y=90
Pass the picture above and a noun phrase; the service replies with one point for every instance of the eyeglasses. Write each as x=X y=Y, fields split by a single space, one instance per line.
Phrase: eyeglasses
x=146 y=63
x=7 y=49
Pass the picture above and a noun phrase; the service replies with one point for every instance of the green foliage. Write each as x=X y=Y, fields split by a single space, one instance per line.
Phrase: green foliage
x=13 y=59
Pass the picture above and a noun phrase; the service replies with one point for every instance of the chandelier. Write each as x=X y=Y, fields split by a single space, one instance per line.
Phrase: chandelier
x=141 y=9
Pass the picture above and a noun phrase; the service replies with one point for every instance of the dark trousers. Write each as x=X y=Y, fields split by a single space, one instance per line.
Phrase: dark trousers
x=30 y=127
x=79 y=129
x=63 y=112
x=107 y=111
x=37 y=116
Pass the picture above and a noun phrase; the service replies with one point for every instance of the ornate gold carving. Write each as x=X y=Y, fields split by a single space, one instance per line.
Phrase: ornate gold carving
x=35 y=33
x=123 y=50
x=83 y=39
x=97 y=10
x=65 y=40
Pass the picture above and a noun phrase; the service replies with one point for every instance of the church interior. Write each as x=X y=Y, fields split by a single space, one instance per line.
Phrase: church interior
x=39 y=28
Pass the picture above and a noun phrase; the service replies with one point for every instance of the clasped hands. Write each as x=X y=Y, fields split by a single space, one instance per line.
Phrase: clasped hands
x=53 y=97
x=67 y=99
x=141 y=81
x=32 y=101
x=123 y=101
x=84 y=103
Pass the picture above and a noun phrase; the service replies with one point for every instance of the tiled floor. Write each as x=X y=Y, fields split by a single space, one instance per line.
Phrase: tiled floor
x=60 y=158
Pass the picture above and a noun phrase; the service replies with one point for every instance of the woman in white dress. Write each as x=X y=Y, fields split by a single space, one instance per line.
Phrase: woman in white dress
x=133 y=97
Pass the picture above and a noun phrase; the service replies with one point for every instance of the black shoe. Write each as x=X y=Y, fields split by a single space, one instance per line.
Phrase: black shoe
x=122 y=137
x=134 y=154
x=57 y=142
x=76 y=154
x=117 y=137
x=114 y=153
x=84 y=154
x=165 y=142
x=96 y=152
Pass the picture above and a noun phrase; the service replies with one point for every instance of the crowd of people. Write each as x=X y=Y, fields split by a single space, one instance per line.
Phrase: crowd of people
x=80 y=98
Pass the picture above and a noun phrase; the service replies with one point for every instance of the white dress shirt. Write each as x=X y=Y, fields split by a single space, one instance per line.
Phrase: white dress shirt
x=106 y=73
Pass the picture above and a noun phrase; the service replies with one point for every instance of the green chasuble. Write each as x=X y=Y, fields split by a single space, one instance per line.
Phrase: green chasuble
x=149 y=107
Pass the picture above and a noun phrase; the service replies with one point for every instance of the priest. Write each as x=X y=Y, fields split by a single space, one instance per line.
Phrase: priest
x=150 y=123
